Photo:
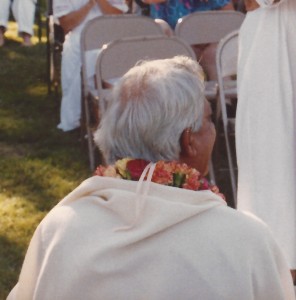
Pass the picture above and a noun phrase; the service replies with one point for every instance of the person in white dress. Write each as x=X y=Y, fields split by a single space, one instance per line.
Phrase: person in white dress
x=24 y=14
x=72 y=16
x=266 y=118
x=120 y=237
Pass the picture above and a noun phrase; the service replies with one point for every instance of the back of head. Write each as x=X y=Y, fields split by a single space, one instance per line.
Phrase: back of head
x=149 y=109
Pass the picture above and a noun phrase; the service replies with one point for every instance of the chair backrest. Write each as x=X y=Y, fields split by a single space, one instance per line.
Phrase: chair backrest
x=103 y=29
x=119 y=56
x=226 y=62
x=208 y=26
x=227 y=55
x=106 y=28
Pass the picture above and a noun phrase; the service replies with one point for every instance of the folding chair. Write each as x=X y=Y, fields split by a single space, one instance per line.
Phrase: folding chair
x=226 y=60
x=117 y=57
x=208 y=27
x=54 y=46
x=96 y=33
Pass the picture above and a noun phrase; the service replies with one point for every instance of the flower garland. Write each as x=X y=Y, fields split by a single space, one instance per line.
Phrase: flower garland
x=170 y=173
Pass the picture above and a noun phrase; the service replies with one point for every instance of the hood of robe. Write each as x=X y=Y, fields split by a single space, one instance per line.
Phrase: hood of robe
x=143 y=215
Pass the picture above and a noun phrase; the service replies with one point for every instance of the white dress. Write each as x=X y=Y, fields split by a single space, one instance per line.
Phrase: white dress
x=186 y=245
x=265 y=126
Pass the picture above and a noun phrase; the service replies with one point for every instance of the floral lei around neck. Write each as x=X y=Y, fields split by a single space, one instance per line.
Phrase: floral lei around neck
x=170 y=173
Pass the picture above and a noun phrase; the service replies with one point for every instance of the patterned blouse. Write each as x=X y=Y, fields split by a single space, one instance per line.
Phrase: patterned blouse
x=172 y=10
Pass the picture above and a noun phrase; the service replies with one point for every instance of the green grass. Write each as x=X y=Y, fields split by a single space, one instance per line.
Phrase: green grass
x=39 y=164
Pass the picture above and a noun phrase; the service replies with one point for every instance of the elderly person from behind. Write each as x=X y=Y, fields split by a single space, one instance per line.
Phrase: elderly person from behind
x=148 y=226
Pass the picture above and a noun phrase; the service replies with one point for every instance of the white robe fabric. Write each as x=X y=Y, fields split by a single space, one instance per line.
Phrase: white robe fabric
x=23 y=12
x=266 y=120
x=185 y=245
x=70 y=113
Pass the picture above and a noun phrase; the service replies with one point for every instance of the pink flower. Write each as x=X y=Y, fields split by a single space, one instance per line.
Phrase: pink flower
x=100 y=171
x=204 y=184
x=191 y=180
x=108 y=171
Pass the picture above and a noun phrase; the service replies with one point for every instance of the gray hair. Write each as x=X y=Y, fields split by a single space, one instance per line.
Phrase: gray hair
x=150 y=107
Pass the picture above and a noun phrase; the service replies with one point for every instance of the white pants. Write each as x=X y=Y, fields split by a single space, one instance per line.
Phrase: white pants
x=70 y=113
x=23 y=12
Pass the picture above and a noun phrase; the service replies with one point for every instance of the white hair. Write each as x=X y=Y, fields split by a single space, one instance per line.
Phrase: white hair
x=149 y=109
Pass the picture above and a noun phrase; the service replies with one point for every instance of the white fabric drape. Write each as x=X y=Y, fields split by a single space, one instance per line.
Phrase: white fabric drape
x=265 y=126
x=186 y=245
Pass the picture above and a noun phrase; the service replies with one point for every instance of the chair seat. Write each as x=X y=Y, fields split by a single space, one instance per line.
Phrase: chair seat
x=230 y=88
x=211 y=89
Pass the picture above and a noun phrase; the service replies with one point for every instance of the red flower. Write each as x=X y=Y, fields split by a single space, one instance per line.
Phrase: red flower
x=136 y=167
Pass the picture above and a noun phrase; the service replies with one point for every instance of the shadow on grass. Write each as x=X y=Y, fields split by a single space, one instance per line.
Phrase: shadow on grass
x=39 y=164
x=11 y=261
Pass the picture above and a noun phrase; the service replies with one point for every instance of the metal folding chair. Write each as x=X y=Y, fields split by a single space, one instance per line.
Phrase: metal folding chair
x=226 y=60
x=117 y=57
x=54 y=46
x=97 y=33
x=208 y=27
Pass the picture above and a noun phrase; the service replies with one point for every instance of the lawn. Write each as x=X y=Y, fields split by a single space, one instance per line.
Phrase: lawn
x=39 y=164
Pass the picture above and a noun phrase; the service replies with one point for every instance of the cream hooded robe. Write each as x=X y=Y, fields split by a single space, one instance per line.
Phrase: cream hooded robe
x=185 y=245
x=266 y=120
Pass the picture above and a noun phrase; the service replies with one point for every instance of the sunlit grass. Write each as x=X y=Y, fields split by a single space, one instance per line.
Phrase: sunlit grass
x=12 y=34
x=39 y=164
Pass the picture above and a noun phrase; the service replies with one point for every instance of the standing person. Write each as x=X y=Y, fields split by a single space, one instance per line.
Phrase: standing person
x=168 y=237
x=73 y=15
x=266 y=118
x=24 y=14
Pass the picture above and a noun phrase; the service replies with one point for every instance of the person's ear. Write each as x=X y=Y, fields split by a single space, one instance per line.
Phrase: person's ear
x=186 y=143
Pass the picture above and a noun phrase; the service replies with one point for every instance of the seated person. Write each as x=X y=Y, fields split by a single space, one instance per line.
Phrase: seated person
x=73 y=16
x=171 y=10
x=147 y=226
x=24 y=14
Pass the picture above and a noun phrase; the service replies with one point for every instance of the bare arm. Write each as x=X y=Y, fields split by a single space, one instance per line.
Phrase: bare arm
x=73 y=19
x=251 y=5
x=107 y=8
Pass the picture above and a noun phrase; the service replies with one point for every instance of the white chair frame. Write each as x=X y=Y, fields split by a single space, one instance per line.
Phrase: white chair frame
x=98 y=32
x=226 y=60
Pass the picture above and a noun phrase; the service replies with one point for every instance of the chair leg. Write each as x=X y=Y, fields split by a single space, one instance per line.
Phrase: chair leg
x=231 y=167
x=212 y=172
x=89 y=132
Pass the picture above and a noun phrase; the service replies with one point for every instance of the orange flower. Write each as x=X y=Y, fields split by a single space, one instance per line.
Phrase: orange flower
x=108 y=171
x=162 y=173
x=167 y=173
x=192 y=180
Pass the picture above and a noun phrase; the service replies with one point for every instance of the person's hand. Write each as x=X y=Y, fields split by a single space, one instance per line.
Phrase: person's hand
x=251 y=5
